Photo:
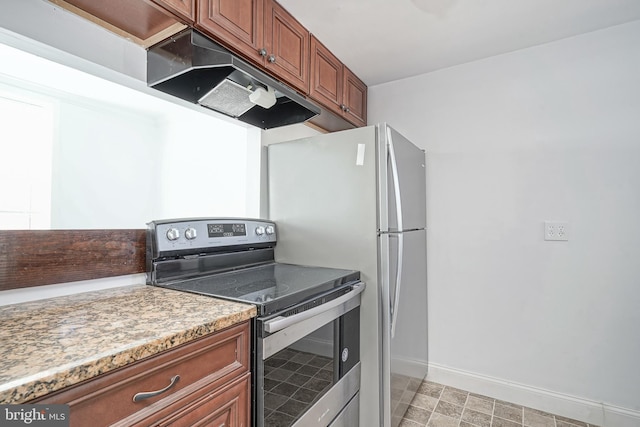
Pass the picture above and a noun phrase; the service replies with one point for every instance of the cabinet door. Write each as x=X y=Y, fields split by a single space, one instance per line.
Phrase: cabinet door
x=287 y=45
x=355 y=99
x=184 y=8
x=237 y=24
x=326 y=77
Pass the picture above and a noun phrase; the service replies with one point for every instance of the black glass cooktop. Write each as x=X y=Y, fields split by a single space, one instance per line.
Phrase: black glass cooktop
x=271 y=287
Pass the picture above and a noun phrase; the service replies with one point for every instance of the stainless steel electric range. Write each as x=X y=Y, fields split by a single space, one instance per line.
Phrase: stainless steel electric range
x=306 y=338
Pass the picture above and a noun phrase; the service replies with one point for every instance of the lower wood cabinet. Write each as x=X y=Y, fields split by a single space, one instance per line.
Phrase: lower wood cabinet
x=213 y=388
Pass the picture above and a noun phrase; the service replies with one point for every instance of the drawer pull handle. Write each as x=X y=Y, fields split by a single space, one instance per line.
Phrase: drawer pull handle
x=146 y=395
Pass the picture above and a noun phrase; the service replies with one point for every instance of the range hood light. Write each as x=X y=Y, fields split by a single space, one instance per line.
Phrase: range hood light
x=263 y=98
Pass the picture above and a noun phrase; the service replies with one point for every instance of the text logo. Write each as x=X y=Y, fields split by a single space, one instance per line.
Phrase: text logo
x=34 y=415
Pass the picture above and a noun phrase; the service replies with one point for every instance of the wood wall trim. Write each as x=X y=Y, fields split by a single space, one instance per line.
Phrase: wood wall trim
x=44 y=257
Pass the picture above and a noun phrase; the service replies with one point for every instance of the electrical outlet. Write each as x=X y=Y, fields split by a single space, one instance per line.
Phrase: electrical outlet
x=556 y=230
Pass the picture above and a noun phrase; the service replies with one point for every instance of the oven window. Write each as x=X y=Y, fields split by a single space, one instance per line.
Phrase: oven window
x=297 y=376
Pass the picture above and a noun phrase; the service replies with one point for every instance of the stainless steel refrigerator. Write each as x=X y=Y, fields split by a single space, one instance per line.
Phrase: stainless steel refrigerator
x=356 y=199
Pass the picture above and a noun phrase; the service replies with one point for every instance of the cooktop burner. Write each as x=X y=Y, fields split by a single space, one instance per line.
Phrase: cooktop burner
x=271 y=287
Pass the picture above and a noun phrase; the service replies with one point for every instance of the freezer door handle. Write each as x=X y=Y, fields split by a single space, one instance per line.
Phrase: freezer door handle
x=396 y=180
x=278 y=323
x=398 y=200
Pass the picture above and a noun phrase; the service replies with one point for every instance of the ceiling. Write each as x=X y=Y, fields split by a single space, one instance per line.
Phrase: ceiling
x=386 y=40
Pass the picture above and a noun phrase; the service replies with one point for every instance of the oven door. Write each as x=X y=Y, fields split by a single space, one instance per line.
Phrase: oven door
x=307 y=370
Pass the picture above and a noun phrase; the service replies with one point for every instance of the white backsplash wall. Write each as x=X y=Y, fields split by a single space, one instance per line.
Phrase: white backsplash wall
x=105 y=161
x=205 y=167
x=547 y=133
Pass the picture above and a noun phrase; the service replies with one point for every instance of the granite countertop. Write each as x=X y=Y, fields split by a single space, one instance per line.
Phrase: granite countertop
x=50 y=344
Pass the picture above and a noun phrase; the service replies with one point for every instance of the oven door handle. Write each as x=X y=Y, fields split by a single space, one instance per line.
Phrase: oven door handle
x=278 y=323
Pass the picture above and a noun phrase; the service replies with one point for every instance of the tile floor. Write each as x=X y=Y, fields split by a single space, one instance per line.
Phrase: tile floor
x=293 y=381
x=437 y=405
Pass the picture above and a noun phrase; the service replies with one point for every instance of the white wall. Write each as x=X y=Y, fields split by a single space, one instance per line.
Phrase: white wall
x=205 y=168
x=547 y=133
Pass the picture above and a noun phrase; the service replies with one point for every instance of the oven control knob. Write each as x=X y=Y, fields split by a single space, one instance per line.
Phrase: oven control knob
x=190 y=233
x=270 y=230
x=173 y=234
x=259 y=231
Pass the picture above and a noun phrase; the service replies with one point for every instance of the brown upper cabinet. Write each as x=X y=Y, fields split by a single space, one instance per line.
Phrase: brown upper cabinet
x=260 y=31
x=263 y=32
x=238 y=23
x=335 y=86
x=354 y=98
x=146 y=22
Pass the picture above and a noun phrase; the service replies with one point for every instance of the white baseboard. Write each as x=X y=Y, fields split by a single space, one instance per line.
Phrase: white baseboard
x=577 y=408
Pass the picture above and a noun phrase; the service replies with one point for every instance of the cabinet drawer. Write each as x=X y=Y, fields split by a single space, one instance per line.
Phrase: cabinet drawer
x=226 y=407
x=207 y=362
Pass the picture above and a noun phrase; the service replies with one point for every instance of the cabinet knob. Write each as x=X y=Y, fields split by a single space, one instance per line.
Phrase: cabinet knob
x=271 y=59
x=263 y=52
x=347 y=110
x=343 y=107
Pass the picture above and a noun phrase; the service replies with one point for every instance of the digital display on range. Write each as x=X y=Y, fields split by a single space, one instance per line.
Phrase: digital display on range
x=226 y=230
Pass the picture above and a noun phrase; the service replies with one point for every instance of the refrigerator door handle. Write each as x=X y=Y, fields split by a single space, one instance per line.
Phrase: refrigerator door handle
x=398 y=200
x=396 y=300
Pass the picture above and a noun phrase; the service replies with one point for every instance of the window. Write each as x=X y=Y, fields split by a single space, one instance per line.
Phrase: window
x=26 y=133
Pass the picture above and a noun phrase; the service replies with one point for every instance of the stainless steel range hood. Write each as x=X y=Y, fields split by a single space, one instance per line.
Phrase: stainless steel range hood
x=194 y=68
